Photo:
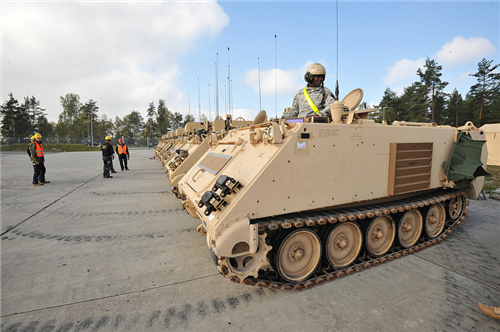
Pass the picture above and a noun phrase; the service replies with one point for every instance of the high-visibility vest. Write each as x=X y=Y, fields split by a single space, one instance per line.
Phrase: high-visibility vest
x=310 y=102
x=39 y=150
x=122 y=149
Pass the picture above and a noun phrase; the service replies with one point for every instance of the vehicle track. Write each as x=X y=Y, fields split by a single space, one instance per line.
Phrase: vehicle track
x=317 y=220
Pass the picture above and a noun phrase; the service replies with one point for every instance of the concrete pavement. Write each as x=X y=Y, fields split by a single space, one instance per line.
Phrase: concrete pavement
x=85 y=253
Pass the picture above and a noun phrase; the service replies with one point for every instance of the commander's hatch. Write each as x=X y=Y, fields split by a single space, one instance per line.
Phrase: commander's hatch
x=351 y=101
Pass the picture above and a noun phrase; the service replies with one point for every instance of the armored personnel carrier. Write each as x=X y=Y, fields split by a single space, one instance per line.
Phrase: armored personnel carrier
x=291 y=203
x=178 y=139
x=166 y=147
x=192 y=143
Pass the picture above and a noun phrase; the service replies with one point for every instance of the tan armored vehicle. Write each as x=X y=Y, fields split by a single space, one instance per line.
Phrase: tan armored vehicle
x=184 y=156
x=165 y=143
x=294 y=202
x=179 y=138
x=195 y=141
x=167 y=148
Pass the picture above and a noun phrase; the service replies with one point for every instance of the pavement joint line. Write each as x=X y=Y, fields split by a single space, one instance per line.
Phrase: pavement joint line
x=459 y=273
x=8 y=229
x=109 y=296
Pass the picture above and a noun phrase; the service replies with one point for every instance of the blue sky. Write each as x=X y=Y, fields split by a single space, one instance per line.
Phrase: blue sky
x=127 y=54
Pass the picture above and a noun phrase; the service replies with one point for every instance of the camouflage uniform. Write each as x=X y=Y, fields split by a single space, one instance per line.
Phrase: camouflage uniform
x=322 y=97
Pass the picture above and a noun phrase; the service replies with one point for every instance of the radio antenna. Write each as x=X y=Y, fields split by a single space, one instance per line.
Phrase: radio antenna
x=209 y=107
x=217 y=87
x=337 y=83
x=199 y=102
x=276 y=75
x=260 y=100
x=229 y=82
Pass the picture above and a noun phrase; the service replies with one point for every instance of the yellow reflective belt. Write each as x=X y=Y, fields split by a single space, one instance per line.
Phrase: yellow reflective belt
x=309 y=100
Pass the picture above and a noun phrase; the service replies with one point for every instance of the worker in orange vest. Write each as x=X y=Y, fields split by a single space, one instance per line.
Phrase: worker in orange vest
x=123 y=154
x=38 y=160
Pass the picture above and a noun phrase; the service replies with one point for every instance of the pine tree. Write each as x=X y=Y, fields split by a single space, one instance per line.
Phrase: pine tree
x=454 y=109
x=134 y=123
x=32 y=107
x=485 y=93
x=151 y=112
x=432 y=84
x=389 y=106
x=177 y=120
x=413 y=105
x=45 y=128
x=163 y=118
x=10 y=111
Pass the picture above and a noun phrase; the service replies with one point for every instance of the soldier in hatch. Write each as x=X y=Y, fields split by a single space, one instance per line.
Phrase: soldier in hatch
x=314 y=99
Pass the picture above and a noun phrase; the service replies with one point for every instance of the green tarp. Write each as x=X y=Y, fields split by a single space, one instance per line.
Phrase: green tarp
x=465 y=162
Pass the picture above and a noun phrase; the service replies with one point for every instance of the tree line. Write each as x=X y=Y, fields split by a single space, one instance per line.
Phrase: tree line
x=426 y=101
x=423 y=101
x=80 y=122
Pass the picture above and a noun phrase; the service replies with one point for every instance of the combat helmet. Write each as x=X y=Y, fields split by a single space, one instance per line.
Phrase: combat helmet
x=314 y=69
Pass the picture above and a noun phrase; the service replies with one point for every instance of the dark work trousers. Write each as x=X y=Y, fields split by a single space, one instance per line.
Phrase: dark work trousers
x=38 y=173
x=123 y=160
x=108 y=165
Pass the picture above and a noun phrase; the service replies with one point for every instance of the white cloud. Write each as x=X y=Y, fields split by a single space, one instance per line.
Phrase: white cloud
x=464 y=77
x=458 y=51
x=403 y=70
x=461 y=50
x=246 y=114
x=119 y=54
x=287 y=81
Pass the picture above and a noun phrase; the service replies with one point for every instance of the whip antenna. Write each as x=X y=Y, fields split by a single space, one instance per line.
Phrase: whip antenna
x=337 y=83
x=199 y=102
x=276 y=75
x=260 y=99
x=217 y=87
x=229 y=82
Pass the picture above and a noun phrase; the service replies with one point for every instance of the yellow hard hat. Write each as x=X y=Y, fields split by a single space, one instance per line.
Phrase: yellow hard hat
x=37 y=135
x=108 y=138
x=32 y=137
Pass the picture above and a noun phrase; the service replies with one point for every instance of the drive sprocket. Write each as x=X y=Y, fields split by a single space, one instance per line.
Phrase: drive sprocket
x=239 y=268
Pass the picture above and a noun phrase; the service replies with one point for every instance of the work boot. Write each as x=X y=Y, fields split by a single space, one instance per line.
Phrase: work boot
x=113 y=171
x=37 y=184
x=108 y=177
x=127 y=169
x=44 y=182
x=493 y=312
